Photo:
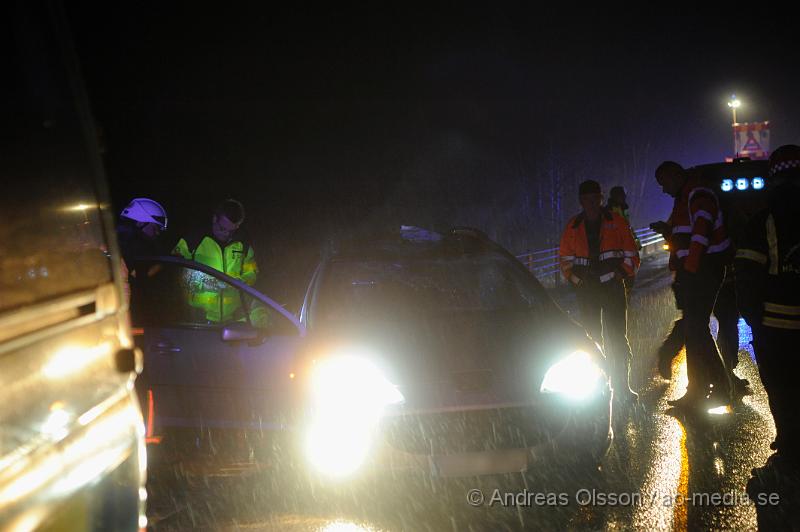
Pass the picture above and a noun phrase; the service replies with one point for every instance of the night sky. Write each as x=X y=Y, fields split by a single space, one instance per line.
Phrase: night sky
x=324 y=122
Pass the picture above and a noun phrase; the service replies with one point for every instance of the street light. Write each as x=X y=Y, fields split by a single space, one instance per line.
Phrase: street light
x=734 y=104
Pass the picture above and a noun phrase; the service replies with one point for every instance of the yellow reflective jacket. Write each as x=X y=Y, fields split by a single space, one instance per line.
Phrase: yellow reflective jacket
x=221 y=302
x=625 y=213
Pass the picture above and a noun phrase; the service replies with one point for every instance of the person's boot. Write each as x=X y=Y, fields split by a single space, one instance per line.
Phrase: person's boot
x=740 y=387
x=767 y=484
x=688 y=400
x=778 y=471
x=702 y=399
x=665 y=357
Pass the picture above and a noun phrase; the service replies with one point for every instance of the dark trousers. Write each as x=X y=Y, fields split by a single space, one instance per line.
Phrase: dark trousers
x=775 y=351
x=603 y=310
x=628 y=289
x=698 y=294
x=727 y=314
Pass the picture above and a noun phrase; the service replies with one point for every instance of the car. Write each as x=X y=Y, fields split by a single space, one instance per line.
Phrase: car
x=72 y=452
x=440 y=353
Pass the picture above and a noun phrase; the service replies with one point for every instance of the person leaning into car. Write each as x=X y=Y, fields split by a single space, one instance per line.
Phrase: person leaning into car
x=226 y=249
x=597 y=254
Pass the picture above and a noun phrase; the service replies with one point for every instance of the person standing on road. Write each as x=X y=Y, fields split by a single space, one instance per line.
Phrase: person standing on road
x=725 y=310
x=226 y=249
x=141 y=223
x=699 y=251
x=618 y=203
x=767 y=267
x=597 y=254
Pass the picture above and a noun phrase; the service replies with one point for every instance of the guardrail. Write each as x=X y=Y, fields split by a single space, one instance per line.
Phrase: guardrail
x=545 y=265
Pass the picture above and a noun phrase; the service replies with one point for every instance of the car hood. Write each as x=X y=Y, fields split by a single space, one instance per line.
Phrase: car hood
x=464 y=359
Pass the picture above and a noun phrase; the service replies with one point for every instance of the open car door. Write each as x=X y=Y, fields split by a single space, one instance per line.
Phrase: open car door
x=217 y=353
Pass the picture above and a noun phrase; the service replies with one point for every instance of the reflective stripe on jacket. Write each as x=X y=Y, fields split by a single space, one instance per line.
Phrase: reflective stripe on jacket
x=618 y=251
x=698 y=229
x=237 y=259
x=768 y=267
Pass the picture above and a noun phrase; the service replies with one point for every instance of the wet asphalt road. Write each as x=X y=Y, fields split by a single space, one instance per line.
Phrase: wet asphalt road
x=662 y=472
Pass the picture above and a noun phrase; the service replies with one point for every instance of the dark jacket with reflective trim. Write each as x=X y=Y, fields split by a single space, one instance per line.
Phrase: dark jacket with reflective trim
x=619 y=256
x=768 y=264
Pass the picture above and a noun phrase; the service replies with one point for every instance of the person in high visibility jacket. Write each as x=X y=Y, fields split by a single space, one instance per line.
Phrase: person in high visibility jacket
x=618 y=203
x=700 y=249
x=597 y=253
x=225 y=248
x=767 y=266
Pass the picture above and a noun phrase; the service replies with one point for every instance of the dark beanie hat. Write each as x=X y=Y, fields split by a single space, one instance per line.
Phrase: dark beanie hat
x=589 y=187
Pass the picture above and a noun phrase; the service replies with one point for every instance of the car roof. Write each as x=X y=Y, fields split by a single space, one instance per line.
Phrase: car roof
x=413 y=242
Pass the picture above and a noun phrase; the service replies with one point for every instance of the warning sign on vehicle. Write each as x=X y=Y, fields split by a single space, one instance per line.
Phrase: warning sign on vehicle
x=752 y=140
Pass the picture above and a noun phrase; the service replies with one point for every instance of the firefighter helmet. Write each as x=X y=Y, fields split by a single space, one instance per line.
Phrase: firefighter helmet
x=147 y=211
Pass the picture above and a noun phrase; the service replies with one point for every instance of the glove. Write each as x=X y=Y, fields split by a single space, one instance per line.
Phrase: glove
x=662 y=228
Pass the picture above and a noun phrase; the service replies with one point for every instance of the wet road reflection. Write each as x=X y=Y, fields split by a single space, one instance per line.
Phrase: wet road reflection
x=664 y=470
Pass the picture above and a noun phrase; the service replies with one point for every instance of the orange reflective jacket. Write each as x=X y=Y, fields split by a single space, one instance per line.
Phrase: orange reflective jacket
x=618 y=251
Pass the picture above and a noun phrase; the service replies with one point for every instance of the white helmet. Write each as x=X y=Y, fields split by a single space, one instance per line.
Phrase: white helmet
x=146 y=210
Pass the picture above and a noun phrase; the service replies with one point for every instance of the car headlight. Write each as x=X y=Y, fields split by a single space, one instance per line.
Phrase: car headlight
x=349 y=394
x=576 y=376
x=352 y=382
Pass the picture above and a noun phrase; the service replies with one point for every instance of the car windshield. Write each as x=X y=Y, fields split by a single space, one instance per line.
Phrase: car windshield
x=424 y=286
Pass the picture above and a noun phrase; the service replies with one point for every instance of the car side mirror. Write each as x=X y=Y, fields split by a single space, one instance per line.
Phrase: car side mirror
x=240 y=334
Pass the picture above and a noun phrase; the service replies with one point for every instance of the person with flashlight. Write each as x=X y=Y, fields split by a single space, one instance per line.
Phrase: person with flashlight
x=597 y=254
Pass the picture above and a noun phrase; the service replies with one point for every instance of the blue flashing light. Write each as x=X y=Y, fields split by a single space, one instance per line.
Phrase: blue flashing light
x=742 y=183
x=758 y=183
x=727 y=185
